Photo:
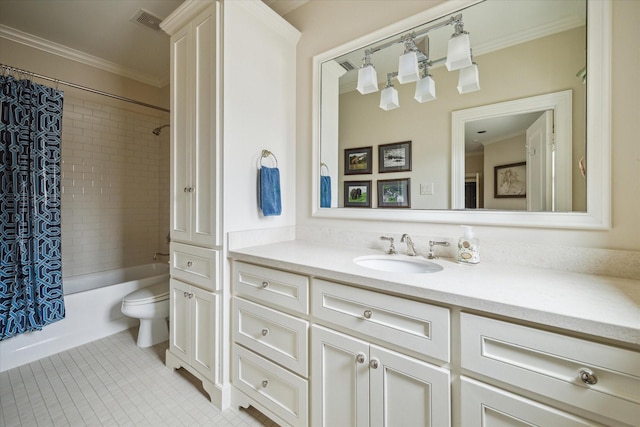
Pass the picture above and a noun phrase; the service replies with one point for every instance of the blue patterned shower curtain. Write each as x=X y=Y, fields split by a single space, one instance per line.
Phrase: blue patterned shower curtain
x=30 y=236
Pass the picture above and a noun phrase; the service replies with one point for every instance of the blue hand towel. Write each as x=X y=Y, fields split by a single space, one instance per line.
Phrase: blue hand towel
x=325 y=191
x=269 y=191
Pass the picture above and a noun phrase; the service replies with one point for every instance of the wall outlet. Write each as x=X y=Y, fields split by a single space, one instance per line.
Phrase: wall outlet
x=426 y=189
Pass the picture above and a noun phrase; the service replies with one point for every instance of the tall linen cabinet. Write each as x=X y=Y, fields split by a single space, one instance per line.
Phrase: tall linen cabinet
x=218 y=128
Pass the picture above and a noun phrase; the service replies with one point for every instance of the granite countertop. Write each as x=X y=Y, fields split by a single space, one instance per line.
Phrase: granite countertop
x=600 y=306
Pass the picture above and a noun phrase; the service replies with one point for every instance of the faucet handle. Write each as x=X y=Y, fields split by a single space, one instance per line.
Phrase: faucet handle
x=392 y=247
x=432 y=252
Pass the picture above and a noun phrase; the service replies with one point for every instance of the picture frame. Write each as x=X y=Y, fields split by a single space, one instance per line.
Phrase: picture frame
x=395 y=157
x=358 y=161
x=394 y=193
x=510 y=181
x=357 y=194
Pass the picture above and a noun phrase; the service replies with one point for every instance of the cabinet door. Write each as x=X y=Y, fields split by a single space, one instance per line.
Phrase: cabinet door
x=406 y=391
x=181 y=60
x=180 y=319
x=205 y=167
x=486 y=406
x=203 y=330
x=340 y=380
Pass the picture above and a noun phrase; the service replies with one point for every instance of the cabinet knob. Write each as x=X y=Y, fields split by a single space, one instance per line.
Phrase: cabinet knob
x=186 y=294
x=265 y=383
x=361 y=358
x=374 y=363
x=588 y=377
x=265 y=284
x=189 y=263
x=265 y=332
x=186 y=189
x=367 y=314
x=190 y=295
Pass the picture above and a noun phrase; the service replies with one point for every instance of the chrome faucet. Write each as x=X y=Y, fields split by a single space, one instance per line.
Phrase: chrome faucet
x=432 y=252
x=411 y=250
x=392 y=248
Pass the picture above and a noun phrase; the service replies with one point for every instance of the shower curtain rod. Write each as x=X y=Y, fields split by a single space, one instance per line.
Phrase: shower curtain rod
x=88 y=89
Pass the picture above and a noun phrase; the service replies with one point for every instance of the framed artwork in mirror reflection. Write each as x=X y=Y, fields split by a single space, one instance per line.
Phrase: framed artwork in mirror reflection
x=357 y=194
x=394 y=157
x=358 y=160
x=510 y=181
x=394 y=193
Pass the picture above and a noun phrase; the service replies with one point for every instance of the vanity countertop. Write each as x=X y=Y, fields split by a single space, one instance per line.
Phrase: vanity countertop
x=600 y=306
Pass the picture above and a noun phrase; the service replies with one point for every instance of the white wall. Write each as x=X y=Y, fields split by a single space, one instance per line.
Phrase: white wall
x=327 y=24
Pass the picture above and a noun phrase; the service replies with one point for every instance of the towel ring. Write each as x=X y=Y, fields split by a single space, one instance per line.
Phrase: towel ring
x=326 y=167
x=266 y=154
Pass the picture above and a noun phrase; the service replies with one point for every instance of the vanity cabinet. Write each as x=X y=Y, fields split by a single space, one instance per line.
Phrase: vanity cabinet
x=356 y=383
x=597 y=381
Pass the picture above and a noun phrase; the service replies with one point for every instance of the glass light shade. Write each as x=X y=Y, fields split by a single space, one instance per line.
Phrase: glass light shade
x=389 y=98
x=425 y=90
x=367 y=80
x=408 y=70
x=458 y=52
x=469 y=79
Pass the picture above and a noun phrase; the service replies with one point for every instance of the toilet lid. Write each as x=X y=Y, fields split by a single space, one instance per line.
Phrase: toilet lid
x=150 y=294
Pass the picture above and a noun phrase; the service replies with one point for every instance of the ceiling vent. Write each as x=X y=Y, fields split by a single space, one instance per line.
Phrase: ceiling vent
x=347 y=65
x=148 y=20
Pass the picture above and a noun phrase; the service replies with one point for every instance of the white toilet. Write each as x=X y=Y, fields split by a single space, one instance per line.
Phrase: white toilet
x=151 y=306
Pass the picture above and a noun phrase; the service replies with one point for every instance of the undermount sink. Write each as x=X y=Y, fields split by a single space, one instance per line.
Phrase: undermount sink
x=397 y=265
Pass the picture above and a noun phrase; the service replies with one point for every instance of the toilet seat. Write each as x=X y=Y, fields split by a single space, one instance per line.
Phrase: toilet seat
x=151 y=294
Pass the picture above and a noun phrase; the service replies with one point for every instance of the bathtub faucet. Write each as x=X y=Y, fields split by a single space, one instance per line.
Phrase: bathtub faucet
x=155 y=257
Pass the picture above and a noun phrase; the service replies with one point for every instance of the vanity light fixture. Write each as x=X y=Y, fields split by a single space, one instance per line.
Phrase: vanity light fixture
x=408 y=68
x=469 y=79
x=389 y=95
x=459 y=49
x=412 y=61
x=367 y=76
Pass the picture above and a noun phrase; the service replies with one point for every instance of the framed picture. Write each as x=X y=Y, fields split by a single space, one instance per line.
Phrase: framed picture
x=510 y=181
x=357 y=194
x=394 y=157
x=394 y=193
x=357 y=160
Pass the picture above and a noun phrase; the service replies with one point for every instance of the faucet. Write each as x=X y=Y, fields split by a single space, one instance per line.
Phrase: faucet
x=411 y=250
x=155 y=257
x=392 y=248
x=432 y=252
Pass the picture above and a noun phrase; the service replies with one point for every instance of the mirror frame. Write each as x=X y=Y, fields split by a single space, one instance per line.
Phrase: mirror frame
x=598 y=135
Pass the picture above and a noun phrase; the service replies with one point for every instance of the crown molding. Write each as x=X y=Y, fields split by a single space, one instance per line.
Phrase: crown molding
x=77 y=56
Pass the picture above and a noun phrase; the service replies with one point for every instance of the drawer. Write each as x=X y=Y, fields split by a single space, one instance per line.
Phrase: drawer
x=274 y=287
x=413 y=325
x=275 y=388
x=587 y=375
x=277 y=336
x=198 y=266
x=483 y=405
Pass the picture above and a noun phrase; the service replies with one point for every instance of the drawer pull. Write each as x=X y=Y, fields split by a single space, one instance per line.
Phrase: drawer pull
x=367 y=314
x=588 y=377
x=374 y=363
x=265 y=332
x=361 y=358
x=265 y=284
x=265 y=383
x=189 y=263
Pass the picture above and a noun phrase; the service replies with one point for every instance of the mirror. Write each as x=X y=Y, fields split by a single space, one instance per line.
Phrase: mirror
x=509 y=71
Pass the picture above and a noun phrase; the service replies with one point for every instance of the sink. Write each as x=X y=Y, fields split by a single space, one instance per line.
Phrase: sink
x=397 y=265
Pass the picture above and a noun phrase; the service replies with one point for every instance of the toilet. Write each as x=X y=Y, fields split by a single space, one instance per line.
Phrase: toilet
x=151 y=306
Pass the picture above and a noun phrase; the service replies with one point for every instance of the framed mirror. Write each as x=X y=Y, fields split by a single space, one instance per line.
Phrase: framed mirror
x=511 y=76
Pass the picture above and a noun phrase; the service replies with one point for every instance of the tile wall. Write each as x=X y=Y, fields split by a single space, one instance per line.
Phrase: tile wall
x=115 y=187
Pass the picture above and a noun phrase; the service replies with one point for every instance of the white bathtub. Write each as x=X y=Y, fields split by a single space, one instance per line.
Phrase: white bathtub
x=92 y=304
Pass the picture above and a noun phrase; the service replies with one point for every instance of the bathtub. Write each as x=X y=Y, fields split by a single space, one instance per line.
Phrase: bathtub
x=92 y=303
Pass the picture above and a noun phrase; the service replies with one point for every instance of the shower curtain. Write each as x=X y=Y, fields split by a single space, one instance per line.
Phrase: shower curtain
x=30 y=235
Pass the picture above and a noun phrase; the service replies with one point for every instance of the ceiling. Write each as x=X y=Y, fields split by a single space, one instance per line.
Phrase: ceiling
x=101 y=33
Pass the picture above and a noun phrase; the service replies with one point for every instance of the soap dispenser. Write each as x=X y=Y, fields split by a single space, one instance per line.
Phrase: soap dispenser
x=468 y=247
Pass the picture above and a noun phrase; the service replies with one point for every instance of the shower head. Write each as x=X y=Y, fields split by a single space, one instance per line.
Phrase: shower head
x=157 y=130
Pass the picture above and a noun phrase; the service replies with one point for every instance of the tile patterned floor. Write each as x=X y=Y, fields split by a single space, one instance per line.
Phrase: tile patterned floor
x=111 y=382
